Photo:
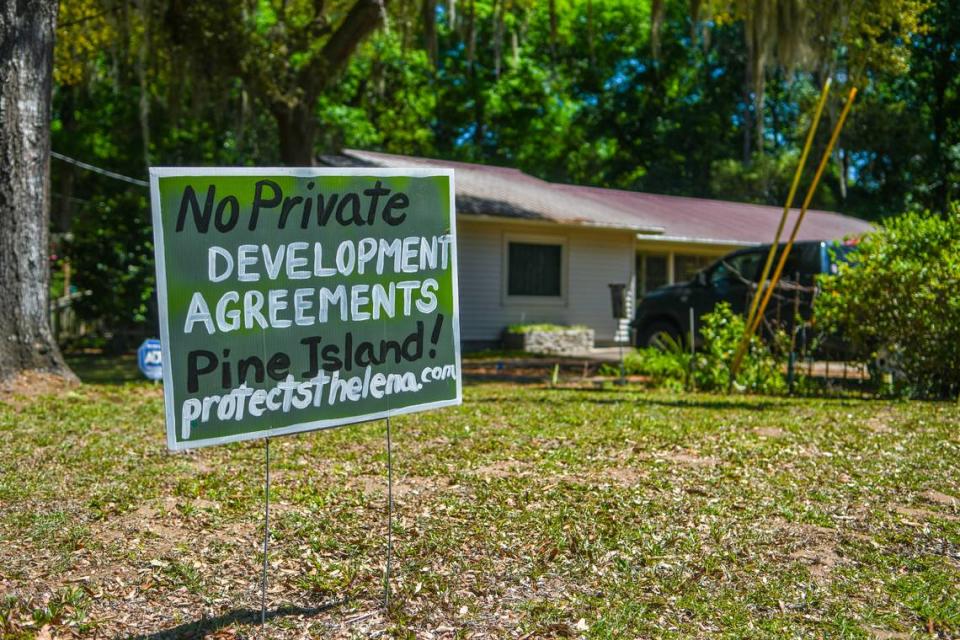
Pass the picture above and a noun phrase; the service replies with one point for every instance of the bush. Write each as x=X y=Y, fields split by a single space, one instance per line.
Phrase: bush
x=722 y=331
x=111 y=250
x=668 y=367
x=900 y=296
x=709 y=368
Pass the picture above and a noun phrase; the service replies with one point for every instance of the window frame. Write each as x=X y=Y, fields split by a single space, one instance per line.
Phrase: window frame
x=525 y=238
x=722 y=263
x=643 y=269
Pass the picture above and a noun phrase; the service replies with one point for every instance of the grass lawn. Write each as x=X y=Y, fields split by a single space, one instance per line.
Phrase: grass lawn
x=528 y=512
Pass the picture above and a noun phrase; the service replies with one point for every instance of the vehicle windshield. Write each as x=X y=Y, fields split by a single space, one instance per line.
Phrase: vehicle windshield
x=741 y=268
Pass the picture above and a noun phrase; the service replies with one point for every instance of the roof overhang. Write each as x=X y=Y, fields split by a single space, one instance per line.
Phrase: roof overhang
x=639 y=230
x=711 y=242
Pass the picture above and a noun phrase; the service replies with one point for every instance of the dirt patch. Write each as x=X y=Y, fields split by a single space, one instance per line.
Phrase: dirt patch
x=160 y=526
x=203 y=503
x=916 y=514
x=879 y=423
x=814 y=546
x=402 y=487
x=820 y=560
x=691 y=458
x=884 y=634
x=20 y=390
x=620 y=476
x=502 y=469
x=941 y=499
x=770 y=432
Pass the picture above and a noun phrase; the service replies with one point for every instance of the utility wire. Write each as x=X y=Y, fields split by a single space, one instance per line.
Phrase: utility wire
x=103 y=172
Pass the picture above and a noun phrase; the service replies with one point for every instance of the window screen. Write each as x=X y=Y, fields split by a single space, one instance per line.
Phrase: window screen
x=654 y=273
x=686 y=267
x=534 y=269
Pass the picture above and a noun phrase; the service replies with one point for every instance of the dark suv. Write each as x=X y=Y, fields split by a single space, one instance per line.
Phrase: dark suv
x=733 y=278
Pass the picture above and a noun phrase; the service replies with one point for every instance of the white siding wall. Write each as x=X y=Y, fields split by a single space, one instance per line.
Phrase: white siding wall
x=594 y=259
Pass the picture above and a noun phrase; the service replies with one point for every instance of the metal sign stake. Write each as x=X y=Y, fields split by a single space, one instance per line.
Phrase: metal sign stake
x=386 y=577
x=266 y=538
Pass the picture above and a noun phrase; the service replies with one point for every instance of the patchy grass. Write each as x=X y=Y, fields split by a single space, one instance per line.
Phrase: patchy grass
x=527 y=512
x=95 y=368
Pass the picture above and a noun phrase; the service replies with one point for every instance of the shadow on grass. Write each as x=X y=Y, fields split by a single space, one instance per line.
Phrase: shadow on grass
x=95 y=368
x=203 y=627
x=639 y=396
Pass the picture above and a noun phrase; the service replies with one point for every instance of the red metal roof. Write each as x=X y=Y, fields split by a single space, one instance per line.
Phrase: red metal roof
x=504 y=192
x=720 y=221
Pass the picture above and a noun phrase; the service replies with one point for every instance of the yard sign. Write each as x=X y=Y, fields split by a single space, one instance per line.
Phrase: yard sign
x=301 y=299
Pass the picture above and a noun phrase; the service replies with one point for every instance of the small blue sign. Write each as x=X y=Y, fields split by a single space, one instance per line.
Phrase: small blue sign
x=150 y=359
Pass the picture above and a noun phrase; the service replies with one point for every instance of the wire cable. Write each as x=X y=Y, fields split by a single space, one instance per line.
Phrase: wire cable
x=103 y=172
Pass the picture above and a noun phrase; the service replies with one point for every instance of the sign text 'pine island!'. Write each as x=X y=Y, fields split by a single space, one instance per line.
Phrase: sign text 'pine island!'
x=317 y=292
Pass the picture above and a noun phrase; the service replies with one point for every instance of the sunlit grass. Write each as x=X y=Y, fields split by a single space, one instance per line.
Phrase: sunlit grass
x=552 y=512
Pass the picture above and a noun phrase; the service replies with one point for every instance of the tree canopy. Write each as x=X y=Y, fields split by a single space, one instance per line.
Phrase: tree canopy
x=696 y=97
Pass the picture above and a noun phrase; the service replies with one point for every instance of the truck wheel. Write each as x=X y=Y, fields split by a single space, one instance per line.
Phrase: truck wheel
x=659 y=335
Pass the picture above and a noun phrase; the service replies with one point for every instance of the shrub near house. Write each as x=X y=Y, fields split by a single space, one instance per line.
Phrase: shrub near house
x=900 y=296
x=709 y=369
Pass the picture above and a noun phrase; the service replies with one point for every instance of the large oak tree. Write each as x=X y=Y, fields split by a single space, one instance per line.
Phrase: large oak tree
x=26 y=61
x=285 y=52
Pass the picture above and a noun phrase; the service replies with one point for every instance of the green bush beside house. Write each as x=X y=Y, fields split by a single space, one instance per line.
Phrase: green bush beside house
x=899 y=299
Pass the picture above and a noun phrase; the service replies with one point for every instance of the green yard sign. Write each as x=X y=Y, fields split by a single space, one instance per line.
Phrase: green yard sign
x=301 y=299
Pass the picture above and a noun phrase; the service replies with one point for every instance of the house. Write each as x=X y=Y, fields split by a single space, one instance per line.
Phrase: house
x=532 y=251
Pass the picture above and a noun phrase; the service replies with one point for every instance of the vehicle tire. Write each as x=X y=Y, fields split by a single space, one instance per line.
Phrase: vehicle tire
x=658 y=335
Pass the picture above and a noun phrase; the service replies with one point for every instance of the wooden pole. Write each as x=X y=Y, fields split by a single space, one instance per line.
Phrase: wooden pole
x=806 y=204
x=751 y=314
x=752 y=326
x=789 y=203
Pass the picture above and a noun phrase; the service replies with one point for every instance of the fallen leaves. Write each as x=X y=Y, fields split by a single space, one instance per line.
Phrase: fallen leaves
x=527 y=512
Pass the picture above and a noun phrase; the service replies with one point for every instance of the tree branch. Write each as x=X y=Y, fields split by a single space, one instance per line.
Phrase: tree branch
x=363 y=18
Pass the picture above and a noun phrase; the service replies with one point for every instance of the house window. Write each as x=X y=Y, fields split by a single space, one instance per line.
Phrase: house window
x=653 y=270
x=534 y=269
x=685 y=267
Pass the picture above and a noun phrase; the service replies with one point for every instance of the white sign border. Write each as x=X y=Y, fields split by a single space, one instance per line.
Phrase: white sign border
x=301 y=172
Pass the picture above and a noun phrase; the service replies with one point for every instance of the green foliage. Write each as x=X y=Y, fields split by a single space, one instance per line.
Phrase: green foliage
x=111 y=252
x=668 y=367
x=567 y=91
x=382 y=101
x=765 y=179
x=722 y=331
x=709 y=369
x=900 y=295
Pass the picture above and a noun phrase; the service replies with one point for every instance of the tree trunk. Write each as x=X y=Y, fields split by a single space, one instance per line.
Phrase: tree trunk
x=471 y=34
x=141 y=67
x=657 y=12
x=747 y=125
x=942 y=76
x=26 y=67
x=428 y=16
x=297 y=129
